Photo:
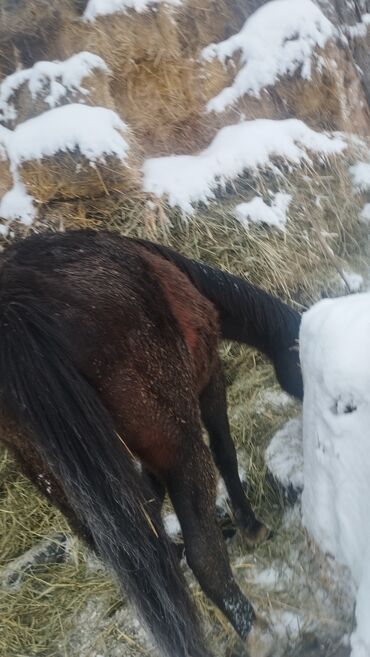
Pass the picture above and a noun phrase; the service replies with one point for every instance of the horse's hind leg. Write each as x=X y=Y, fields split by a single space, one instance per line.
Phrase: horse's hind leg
x=192 y=489
x=213 y=405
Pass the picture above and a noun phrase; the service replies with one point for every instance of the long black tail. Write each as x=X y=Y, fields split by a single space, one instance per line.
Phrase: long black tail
x=247 y=314
x=68 y=425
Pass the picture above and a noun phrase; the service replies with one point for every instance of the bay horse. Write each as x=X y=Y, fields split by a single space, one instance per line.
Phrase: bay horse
x=108 y=368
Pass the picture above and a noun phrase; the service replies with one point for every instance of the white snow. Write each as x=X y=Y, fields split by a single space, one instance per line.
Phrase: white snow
x=97 y=8
x=54 y=78
x=250 y=145
x=354 y=281
x=359 y=30
x=17 y=204
x=365 y=213
x=94 y=131
x=172 y=525
x=360 y=173
x=278 y=39
x=257 y=211
x=284 y=455
x=335 y=354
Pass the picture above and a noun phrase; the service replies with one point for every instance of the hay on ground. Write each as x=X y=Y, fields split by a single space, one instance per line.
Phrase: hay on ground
x=333 y=99
x=70 y=175
x=6 y=179
x=27 y=27
x=157 y=89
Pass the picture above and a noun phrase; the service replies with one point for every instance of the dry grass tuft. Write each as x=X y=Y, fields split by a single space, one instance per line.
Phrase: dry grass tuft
x=70 y=175
x=6 y=179
x=333 y=99
x=27 y=28
x=157 y=88
x=300 y=264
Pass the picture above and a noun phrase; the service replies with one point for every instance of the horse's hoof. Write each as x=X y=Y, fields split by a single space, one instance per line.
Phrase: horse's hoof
x=260 y=641
x=257 y=534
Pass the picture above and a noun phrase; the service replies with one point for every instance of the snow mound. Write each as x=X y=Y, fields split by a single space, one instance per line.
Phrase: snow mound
x=278 y=39
x=257 y=211
x=17 y=204
x=365 y=213
x=284 y=455
x=94 y=131
x=335 y=351
x=172 y=525
x=97 y=8
x=360 y=173
x=250 y=145
x=57 y=77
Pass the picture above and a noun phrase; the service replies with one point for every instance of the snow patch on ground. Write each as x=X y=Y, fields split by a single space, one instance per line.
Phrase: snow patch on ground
x=274 y=398
x=57 y=78
x=96 y=8
x=360 y=173
x=250 y=145
x=365 y=213
x=17 y=204
x=307 y=593
x=335 y=351
x=354 y=281
x=172 y=525
x=278 y=39
x=284 y=455
x=257 y=211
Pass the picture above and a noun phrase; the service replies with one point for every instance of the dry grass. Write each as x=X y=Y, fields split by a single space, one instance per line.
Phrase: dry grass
x=6 y=179
x=27 y=28
x=333 y=99
x=71 y=175
x=157 y=89
x=164 y=93
x=324 y=231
